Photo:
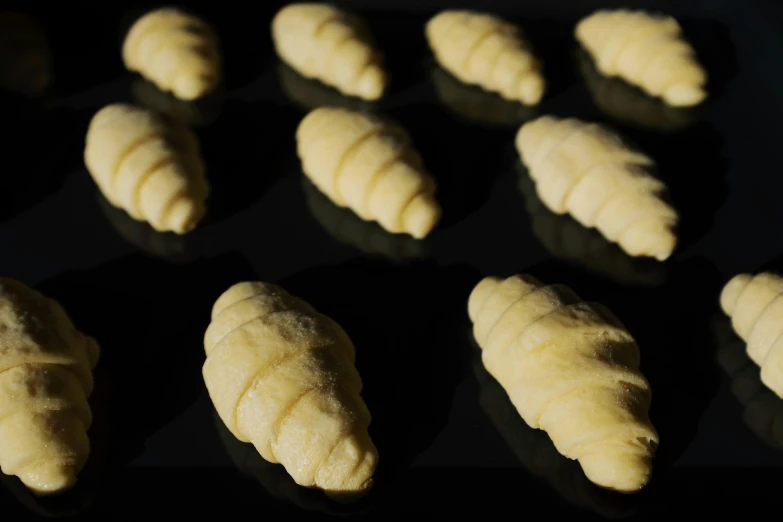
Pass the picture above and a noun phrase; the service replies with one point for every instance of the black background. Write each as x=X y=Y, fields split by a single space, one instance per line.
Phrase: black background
x=449 y=441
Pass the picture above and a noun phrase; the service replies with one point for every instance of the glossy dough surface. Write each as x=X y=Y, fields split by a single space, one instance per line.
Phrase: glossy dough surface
x=282 y=377
x=571 y=369
x=369 y=165
x=485 y=50
x=755 y=305
x=585 y=170
x=147 y=166
x=646 y=50
x=45 y=379
x=176 y=51
x=325 y=43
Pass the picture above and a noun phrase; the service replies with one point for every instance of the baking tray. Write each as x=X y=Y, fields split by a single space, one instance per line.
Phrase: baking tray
x=450 y=442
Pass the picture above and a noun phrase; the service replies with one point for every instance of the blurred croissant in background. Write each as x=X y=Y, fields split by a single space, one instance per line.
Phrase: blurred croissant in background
x=477 y=105
x=538 y=455
x=569 y=241
x=166 y=245
x=195 y=113
x=625 y=103
x=25 y=58
x=348 y=228
x=763 y=410
x=274 y=478
x=311 y=94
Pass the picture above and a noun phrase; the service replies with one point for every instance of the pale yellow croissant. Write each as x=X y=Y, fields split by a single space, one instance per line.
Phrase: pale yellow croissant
x=148 y=166
x=487 y=51
x=176 y=51
x=45 y=379
x=282 y=377
x=646 y=50
x=586 y=170
x=323 y=42
x=755 y=305
x=569 y=241
x=369 y=165
x=571 y=369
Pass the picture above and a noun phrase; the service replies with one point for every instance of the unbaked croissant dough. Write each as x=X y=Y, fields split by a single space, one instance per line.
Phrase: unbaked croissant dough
x=347 y=227
x=586 y=170
x=762 y=409
x=477 y=105
x=149 y=167
x=571 y=369
x=282 y=377
x=755 y=305
x=646 y=50
x=325 y=43
x=485 y=50
x=625 y=103
x=369 y=165
x=569 y=241
x=311 y=94
x=45 y=379
x=177 y=51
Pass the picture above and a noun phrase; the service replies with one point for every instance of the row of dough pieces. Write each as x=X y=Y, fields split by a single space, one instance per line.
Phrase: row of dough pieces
x=179 y=52
x=151 y=168
x=282 y=377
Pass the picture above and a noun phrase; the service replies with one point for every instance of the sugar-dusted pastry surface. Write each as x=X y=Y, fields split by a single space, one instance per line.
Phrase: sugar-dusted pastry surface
x=148 y=166
x=571 y=369
x=755 y=305
x=175 y=50
x=485 y=50
x=646 y=50
x=368 y=165
x=586 y=170
x=323 y=42
x=282 y=377
x=45 y=379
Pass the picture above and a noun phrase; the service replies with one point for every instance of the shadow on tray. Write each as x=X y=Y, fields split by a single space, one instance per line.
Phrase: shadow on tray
x=149 y=318
x=405 y=324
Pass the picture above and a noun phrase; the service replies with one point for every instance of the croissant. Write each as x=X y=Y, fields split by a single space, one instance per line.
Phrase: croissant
x=571 y=369
x=625 y=103
x=646 y=50
x=176 y=51
x=45 y=380
x=325 y=43
x=370 y=238
x=282 y=376
x=149 y=167
x=755 y=305
x=586 y=170
x=763 y=410
x=25 y=58
x=536 y=453
x=569 y=241
x=311 y=94
x=370 y=166
x=476 y=105
x=484 y=50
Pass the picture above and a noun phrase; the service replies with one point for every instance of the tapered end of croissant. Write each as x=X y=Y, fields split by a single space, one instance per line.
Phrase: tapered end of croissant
x=684 y=95
x=480 y=294
x=371 y=83
x=188 y=87
x=731 y=292
x=651 y=238
x=184 y=216
x=531 y=89
x=421 y=215
x=347 y=476
x=50 y=476
x=625 y=472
